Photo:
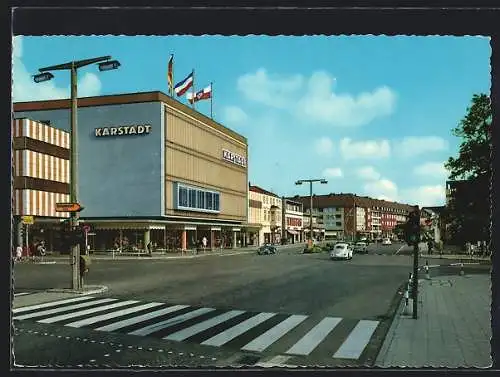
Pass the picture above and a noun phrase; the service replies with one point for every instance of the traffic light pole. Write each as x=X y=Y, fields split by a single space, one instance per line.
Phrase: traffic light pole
x=415 y=279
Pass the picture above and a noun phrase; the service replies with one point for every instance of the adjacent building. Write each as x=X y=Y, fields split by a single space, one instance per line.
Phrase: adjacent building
x=265 y=210
x=150 y=169
x=292 y=221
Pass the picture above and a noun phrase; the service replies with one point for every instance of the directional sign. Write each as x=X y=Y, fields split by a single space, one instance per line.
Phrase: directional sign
x=28 y=220
x=68 y=207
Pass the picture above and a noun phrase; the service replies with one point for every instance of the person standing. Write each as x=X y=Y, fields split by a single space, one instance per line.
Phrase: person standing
x=204 y=243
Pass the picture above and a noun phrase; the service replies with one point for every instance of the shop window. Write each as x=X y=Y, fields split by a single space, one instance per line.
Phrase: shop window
x=196 y=199
x=183 y=197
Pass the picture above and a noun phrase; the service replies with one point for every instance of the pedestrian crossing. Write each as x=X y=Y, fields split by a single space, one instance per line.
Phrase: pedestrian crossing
x=259 y=332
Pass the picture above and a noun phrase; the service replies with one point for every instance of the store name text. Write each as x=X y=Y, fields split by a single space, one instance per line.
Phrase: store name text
x=123 y=130
x=234 y=158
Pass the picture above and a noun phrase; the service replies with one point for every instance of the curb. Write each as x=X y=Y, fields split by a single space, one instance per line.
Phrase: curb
x=87 y=291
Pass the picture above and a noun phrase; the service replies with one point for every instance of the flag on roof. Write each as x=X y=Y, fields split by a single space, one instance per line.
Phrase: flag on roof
x=205 y=93
x=183 y=86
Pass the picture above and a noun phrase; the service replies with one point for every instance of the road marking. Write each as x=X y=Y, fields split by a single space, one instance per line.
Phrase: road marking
x=357 y=340
x=314 y=337
x=170 y=322
x=399 y=249
x=62 y=309
x=85 y=312
x=21 y=294
x=50 y=304
x=260 y=343
x=202 y=326
x=235 y=331
x=131 y=321
x=119 y=313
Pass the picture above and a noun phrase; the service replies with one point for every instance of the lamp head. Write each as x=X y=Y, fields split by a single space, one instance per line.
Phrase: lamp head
x=299 y=182
x=109 y=65
x=41 y=77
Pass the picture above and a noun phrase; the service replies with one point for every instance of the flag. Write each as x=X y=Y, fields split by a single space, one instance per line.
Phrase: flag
x=205 y=93
x=183 y=86
x=170 y=74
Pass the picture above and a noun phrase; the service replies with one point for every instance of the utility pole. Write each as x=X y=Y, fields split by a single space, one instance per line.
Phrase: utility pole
x=413 y=238
x=311 y=181
x=105 y=64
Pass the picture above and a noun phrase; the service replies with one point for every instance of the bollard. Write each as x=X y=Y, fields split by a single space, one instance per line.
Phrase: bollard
x=426 y=269
x=406 y=309
x=461 y=273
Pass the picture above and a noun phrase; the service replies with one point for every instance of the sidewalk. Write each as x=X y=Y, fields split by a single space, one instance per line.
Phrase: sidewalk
x=453 y=328
x=50 y=295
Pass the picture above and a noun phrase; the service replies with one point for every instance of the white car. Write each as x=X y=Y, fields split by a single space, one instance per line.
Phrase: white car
x=361 y=247
x=386 y=241
x=341 y=251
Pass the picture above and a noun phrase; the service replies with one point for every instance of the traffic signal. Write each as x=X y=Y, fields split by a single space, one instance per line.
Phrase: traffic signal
x=412 y=228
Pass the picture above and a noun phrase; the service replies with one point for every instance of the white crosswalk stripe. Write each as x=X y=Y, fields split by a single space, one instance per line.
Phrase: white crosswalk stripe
x=145 y=317
x=255 y=332
x=260 y=343
x=314 y=337
x=235 y=331
x=64 y=317
x=63 y=309
x=357 y=340
x=205 y=325
x=119 y=313
x=50 y=304
x=170 y=322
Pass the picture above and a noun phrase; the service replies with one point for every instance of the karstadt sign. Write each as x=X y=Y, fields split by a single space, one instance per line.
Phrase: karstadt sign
x=143 y=129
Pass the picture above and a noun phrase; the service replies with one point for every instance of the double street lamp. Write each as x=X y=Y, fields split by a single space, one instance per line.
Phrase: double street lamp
x=105 y=64
x=311 y=181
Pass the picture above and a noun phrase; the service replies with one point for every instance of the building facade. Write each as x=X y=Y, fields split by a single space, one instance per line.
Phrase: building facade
x=292 y=221
x=152 y=169
x=40 y=169
x=268 y=216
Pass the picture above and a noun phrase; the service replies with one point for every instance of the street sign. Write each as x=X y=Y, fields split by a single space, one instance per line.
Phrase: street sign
x=86 y=228
x=68 y=207
x=28 y=220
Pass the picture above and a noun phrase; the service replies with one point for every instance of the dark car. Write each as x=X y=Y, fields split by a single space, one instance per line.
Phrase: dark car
x=267 y=249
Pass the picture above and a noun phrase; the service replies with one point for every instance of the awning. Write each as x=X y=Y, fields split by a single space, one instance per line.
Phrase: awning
x=125 y=226
x=294 y=232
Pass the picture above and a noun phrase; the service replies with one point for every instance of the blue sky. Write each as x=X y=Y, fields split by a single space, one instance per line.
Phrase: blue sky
x=371 y=114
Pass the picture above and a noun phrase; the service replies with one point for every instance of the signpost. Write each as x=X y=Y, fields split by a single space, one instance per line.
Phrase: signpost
x=27 y=220
x=86 y=230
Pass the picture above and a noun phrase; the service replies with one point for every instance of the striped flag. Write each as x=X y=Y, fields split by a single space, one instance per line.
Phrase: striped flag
x=170 y=74
x=183 y=86
x=205 y=93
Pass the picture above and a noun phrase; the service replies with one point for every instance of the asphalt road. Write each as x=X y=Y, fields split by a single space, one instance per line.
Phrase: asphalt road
x=332 y=303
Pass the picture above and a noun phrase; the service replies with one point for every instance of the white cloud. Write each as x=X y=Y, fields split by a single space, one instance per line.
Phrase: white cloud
x=322 y=105
x=234 y=115
x=425 y=196
x=382 y=189
x=324 y=146
x=25 y=89
x=364 y=149
x=432 y=169
x=332 y=172
x=413 y=146
x=368 y=172
x=272 y=91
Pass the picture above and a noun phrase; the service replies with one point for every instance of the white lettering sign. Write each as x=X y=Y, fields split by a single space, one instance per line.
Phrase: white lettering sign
x=234 y=158
x=142 y=129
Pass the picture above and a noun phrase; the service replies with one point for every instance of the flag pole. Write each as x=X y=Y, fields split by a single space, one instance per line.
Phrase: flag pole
x=193 y=91
x=211 y=100
x=173 y=81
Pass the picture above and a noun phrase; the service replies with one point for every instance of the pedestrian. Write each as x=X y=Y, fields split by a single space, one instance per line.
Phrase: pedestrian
x=204 y=243
x=429 y=247
x=19 y=253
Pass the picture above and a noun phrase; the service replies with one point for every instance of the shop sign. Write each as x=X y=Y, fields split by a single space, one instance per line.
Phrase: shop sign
x=234 y=158
x=28 y=220
x=142 y=129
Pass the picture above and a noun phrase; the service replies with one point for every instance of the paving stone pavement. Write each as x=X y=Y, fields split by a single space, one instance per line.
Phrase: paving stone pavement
x=453 y=328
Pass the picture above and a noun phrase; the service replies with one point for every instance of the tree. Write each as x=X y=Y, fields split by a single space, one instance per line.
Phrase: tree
x=469 y=212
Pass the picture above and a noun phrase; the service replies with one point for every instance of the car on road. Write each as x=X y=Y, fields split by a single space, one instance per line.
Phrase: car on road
x=386 y=242
x=341 y=251
x=361 y=247
x=267 y=249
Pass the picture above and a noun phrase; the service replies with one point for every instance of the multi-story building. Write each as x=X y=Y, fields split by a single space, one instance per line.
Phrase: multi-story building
x=348 y=216
x=152 y=169
x=268 y=216
x=292 y=221
x=40 y=178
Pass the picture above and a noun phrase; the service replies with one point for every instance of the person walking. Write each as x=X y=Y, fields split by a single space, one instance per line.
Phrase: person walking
x=204 y=243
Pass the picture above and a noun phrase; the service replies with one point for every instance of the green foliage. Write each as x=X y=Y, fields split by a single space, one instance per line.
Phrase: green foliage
x=469 y=213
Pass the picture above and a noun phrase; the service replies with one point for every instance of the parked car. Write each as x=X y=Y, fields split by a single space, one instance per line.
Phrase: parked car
x=341 y=251
x=386 y=242
x=361 y=247
x=267 y=249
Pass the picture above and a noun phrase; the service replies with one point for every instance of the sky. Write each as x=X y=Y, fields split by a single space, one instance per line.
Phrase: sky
x=371 y=114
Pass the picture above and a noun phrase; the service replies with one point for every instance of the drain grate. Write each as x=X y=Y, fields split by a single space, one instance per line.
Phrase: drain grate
x=249 y=359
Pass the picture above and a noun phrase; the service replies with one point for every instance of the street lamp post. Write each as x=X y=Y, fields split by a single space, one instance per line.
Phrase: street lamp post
x=105 y=64
x=311 y=181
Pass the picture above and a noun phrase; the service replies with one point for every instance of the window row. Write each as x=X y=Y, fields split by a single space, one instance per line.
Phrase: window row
x=197 y=199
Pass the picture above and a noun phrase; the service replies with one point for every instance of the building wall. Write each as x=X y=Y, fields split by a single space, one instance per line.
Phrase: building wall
x=361 y=219
x=333 y=218
x=40 y=168
x=194 y=156
x=122 y=174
